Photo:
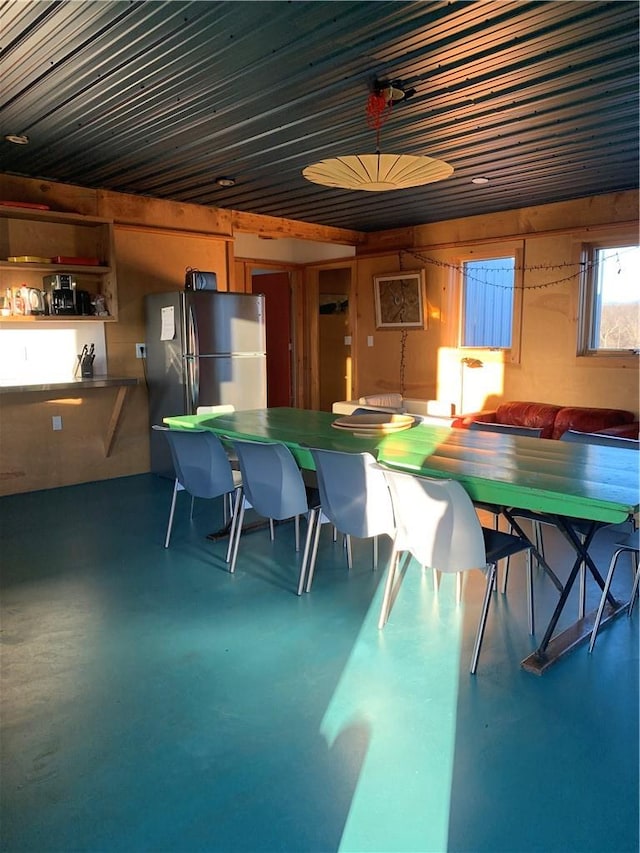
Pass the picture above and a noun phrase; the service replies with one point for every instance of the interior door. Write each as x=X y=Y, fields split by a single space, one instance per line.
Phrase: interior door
x=277 y=291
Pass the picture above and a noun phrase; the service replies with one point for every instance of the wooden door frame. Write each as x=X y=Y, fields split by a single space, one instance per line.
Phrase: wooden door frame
x=244 y=270
x=312 y=353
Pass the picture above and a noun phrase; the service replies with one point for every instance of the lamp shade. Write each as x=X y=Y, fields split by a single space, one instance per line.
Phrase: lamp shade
x=377 y=172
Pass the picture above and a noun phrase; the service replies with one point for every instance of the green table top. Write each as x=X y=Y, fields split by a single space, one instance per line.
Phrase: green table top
x=555 y=477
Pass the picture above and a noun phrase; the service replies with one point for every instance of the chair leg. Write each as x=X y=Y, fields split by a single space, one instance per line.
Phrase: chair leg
x=375 y=553
x=386 y=601
x=634 y=588
x=538 y=538
x=235 y=510
x=505 y=576
x=297 y=529
x=272 y=531
x=505 y=571
x=582 y=594
x=238 y=534
x=496 y=526
x=315 y=517
x=349 y=553
x=603 y=599
x=171 y=512
x=491 y=576
x=459 y=588
x=530 y=613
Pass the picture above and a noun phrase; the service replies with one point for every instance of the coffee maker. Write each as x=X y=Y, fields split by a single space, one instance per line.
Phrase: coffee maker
x=61 y=293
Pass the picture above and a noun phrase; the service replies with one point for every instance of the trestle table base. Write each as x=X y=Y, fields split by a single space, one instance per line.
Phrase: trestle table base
x=566 y=640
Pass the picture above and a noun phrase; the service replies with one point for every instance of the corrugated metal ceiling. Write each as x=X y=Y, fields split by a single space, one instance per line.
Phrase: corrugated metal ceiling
x=160 y=98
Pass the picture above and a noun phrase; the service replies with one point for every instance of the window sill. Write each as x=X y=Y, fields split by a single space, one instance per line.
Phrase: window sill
x=601 y=359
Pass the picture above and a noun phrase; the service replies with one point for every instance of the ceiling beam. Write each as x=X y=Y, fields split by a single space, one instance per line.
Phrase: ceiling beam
x=274 y=226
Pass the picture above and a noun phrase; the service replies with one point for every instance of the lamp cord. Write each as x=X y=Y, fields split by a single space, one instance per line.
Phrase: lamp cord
x=403 y=344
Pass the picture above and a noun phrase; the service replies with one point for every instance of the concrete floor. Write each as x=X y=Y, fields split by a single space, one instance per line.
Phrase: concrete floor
x=153 y=702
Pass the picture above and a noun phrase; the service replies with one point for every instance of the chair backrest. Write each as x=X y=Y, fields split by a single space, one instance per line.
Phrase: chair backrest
x=597 y=438
x=271 y=479
x=200 y=462
x=506 y=429
x=224 y=409
x=436 y=521
x=354 y=493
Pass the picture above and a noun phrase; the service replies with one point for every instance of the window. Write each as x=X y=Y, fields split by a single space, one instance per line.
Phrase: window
x=488 y=301
x=610 y=304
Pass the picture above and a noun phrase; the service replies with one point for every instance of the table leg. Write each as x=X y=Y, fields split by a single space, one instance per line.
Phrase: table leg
x=534 y=550
x=552 y=648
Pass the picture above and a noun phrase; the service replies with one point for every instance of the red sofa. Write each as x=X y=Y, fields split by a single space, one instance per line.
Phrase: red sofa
x=555 y=420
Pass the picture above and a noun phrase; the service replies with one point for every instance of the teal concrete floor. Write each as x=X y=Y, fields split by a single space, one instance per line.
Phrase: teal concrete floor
x=153 y=702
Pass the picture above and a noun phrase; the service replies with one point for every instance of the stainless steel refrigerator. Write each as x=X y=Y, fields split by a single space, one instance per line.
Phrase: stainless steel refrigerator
x=203 y=348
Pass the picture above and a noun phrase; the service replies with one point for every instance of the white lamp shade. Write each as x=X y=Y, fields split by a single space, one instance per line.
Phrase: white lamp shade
x=377 y=172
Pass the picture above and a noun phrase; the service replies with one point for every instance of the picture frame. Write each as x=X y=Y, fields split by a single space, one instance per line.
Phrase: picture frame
x=400 y=300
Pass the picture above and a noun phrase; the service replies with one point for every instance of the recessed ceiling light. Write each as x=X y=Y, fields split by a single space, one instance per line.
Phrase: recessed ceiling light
x=17 y=138
x=479 y=180
x=226 y=182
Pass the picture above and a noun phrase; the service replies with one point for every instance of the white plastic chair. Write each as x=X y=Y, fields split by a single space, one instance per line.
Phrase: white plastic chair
x=354 y=497
x=631 y=545
x=273 y=486
x=202 y=469
x=436 y=522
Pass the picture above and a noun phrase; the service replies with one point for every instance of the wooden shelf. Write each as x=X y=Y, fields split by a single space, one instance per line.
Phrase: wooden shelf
x=61 y=217
x=56 y=318
x=47 y=234
x=55 y=268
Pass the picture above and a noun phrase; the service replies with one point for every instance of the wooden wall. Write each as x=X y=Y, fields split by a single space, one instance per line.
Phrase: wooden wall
x=548 y=369
x=154 y=243
x=156 y=240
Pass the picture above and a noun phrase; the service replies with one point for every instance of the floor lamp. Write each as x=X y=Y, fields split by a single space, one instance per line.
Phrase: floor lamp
x=472 y=364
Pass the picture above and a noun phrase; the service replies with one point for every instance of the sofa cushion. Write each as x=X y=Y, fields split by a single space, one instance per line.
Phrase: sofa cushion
x=631 y=430
x=584 y=419
x=538 y=415
x=390 y=400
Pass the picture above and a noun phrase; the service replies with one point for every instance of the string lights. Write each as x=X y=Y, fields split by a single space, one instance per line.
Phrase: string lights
x=582 y=267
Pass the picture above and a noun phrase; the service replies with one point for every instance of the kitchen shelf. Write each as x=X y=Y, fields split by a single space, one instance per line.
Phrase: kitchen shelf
x=54 y=268
x=47 y=234
x=56 y=318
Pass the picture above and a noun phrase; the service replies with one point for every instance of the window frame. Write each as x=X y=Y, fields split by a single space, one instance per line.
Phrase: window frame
x=587 y=300
x=511 y=354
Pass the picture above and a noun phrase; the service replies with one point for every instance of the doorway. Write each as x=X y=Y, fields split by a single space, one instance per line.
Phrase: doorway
x=335 y=379
x=276 y=287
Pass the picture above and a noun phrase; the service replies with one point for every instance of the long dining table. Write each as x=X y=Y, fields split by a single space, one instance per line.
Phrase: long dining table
x=560 y=481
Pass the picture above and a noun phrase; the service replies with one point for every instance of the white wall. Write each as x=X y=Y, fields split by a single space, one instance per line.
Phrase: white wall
x=33 y=353
x=289 y=250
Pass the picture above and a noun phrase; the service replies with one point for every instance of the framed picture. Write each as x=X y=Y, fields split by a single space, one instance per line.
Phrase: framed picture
x=400 y=300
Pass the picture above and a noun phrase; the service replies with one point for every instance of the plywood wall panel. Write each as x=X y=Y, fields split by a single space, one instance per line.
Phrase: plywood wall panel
x=549 y=369
x=33 y=456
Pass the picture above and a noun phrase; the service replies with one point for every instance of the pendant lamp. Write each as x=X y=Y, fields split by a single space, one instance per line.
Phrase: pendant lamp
x=378 y=172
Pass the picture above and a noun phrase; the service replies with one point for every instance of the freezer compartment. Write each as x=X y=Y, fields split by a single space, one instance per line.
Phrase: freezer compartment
x=224 y=323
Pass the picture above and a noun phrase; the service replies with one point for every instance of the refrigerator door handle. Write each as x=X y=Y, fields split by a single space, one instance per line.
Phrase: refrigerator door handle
x=192 y=360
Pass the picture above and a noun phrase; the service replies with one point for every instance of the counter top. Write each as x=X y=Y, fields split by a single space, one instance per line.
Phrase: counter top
x=68 y=385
